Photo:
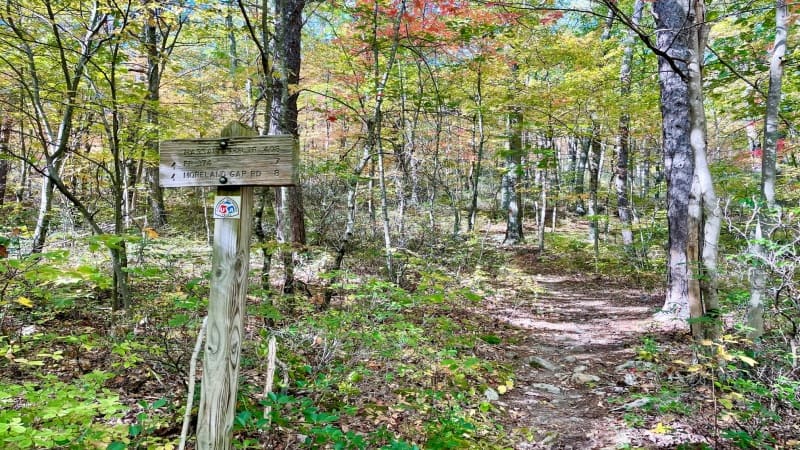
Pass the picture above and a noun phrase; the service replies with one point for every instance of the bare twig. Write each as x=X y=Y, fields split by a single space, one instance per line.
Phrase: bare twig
x=190 y=396
x=271 y=356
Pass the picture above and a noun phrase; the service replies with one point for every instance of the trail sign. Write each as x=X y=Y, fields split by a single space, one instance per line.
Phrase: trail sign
x=234 y=164
x=233 y=161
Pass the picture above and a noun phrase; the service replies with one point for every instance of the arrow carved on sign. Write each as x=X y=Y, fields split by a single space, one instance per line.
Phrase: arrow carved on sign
x=240 y=161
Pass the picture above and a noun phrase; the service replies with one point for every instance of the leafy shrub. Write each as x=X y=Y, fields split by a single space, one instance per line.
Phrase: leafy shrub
x=51 y=413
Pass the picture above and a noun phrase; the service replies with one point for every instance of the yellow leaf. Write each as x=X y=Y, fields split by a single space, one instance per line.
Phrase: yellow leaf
x=28 y=362
x=724 y=355
x=747 y=360
x=502 y=389
x=25 y=301
x=706 y=342
x=660 y=428
x=151 y=233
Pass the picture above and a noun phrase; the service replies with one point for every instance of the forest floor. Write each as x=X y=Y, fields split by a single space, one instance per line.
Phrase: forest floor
x=509 y=348
x=577 y=341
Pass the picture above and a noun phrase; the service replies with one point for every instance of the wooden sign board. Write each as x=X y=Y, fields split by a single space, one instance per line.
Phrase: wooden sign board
x=235 y=161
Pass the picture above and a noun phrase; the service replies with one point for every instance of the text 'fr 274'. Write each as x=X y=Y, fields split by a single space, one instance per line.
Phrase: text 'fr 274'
x=246 y=161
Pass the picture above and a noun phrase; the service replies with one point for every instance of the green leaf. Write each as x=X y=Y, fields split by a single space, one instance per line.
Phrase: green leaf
x=471 y=296
x=491 y=339
x=134 y=430
x=116 y=445
x=242 y=418
x=28 y=362
x=16 y=426
x=178 y=320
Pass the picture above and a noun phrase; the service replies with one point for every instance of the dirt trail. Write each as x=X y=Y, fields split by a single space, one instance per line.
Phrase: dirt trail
x=574 y=334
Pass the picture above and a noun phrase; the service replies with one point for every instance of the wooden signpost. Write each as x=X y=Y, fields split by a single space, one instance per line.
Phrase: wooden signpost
x=234 y=163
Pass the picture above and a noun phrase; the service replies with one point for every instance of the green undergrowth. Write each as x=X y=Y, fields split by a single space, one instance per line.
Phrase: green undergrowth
x=394 y=365
x=570 y=252
x=48 y=413
x=729 y=393
x=384 y=366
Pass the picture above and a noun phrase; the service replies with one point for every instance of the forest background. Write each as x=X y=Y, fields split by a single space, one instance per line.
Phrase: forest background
x=649 y=142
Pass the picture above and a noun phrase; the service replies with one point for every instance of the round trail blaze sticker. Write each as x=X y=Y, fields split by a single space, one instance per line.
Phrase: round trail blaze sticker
x=227 y=207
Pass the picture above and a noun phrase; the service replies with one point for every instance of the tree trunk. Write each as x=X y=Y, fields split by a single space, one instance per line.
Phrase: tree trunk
x=623 y=135
x=233 y=63
x=769 y=150
x=512 y=197
x=704 y=212
x=399 y=187
x=455 y=207
x=480 y=141
x=128 y=183
x=283 y=120
x=120 y=297
x=580 y=174
x=43 y=218
x=693 y=249
x=158 y=211
x=646 y=150
x=594 y=183
x=5 y=136
x=24 y=189
x=554 y=182
x=403 y=154
x=673 y=40
x=769 y=158
x=283 y=236
x=543 y=208
x=758 y=285
x=261 y=234
x=387 y=237
x=373 y=217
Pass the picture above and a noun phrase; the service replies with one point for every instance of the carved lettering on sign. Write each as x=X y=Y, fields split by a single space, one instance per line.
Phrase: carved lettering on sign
x=240 y=161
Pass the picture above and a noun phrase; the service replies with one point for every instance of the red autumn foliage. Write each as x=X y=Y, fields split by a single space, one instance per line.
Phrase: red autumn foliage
x=551 y=17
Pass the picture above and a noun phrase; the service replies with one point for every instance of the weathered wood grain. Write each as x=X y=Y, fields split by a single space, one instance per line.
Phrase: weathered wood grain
x=229 y=267
x=233 y=161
